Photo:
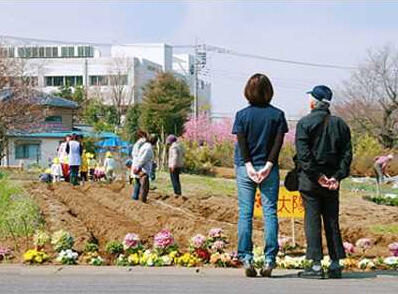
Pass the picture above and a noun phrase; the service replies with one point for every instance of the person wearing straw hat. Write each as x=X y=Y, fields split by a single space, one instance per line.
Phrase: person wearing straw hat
x=56 y=170
x=109 y=166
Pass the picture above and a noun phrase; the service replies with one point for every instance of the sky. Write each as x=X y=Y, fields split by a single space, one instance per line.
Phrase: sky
x=326 y=32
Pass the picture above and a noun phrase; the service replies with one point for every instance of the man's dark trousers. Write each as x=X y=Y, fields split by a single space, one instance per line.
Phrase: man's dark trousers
x=175 y=180
x=322 y=204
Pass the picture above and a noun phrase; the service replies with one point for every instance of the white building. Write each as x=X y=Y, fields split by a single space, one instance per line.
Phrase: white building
x=184 y=67
x=102 y=68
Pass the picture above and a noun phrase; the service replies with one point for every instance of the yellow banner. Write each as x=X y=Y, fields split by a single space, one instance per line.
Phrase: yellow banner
x=290 y=204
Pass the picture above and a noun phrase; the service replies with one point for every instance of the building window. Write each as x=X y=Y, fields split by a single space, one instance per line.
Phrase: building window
x=59 y=81
x=68 y=51
x=54 y=119
x=7 y=51
x=41 y=52
x=118 y=80
x=27 y=151
x=85 y=51
x=98 y=81
x=35 y=52
x=55 y=52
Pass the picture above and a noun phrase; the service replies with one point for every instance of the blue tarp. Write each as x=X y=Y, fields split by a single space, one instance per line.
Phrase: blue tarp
x=114 y=143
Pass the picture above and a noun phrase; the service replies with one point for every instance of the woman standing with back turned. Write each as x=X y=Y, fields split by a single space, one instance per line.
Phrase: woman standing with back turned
x=260 y=129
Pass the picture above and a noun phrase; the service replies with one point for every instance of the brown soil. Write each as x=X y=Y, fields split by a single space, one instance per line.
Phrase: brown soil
x=106 y=212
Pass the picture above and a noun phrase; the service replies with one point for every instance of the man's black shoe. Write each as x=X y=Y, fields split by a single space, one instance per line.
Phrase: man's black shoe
x=311 y=274
x=250 y=271
x=335 y=273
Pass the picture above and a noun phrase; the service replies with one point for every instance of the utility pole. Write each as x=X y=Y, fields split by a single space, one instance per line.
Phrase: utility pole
x=196 y=99
x=199 y=64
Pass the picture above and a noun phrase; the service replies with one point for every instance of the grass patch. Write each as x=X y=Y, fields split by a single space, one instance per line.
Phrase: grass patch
x=19 y=214
x=384 y=229
x=197 y=185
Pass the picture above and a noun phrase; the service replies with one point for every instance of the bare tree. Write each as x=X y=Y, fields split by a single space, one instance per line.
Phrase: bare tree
x=121 y=91
x=369 y=99
x=18 y=107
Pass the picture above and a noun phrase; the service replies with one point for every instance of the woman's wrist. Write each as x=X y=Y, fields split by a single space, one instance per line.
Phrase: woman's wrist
x=268 y=165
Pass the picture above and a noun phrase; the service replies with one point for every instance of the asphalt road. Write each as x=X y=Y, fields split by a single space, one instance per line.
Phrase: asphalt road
x=83 y=279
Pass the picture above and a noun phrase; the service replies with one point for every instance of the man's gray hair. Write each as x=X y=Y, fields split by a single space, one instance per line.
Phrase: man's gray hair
x=320 y=104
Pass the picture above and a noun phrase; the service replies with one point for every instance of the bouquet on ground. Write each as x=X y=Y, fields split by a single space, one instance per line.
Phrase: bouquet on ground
x=5 y=253
x=216 y=240
x=91 y=255
x=363 y=244
x=114 y=248
x=132 y=244
x=62 y=240
x=188 y=260
x=164 y=243
x=34 y=256
x=151 y=258
x=198 y=247
x=393 y=248
x=40 y=239
x=67 y=256
x=224 y=259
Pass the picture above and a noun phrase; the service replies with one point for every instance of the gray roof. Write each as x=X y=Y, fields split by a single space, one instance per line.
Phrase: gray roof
x=42 y=99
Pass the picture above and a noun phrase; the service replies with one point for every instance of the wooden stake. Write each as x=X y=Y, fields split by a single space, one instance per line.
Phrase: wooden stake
x=293 y=232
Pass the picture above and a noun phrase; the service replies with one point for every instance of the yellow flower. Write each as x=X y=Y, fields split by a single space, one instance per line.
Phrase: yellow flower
x=215 y=257
x=134 y=259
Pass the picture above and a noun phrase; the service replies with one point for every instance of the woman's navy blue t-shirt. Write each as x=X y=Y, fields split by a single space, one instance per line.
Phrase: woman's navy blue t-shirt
x=260 y=125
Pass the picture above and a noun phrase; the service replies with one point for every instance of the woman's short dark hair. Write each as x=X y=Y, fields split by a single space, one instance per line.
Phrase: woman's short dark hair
x=258 y=90
x=141 y=134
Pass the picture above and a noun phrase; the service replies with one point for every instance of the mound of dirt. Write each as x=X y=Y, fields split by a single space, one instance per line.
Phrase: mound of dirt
x=105 y=212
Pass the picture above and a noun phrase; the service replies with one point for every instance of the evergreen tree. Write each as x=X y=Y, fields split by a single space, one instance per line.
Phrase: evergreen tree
x=166 y=104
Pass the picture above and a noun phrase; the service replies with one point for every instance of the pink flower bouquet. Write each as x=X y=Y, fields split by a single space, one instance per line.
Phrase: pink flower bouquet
x=393 y=247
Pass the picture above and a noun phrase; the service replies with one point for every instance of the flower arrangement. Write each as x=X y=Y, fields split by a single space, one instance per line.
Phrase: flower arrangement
x=164 y=242
x=132 y=243
x=216 y=233
x=391 y=262
x=366 y=264
x=96 y=261
x=91 y=247
x=364 y=244
x=198 y=247
x=41 y=238
x=122 y=260
x=224 y=259
x=62 y=240
x=216 y=240
x=114 y=247
x=67 y=256
x=5 y=253
x=188 y=260
x=134 y=259
x=218 y=246
x=198 y=241
x=348 y=248
x=393 y=248
x=34 y=256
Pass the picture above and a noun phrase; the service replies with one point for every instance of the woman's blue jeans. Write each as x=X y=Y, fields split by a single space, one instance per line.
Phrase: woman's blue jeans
x=269 y=189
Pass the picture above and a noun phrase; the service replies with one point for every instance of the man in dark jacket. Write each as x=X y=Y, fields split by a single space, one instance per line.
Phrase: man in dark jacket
x=324 y=155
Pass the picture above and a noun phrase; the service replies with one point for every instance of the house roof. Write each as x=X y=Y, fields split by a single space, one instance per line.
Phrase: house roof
x=102 y=135
x=41 y=98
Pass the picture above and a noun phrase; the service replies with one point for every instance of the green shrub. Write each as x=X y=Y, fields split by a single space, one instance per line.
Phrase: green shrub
x=91 y=247
x=19 y=214
x=114 y=247
x=382 y=200
x=366 y=148
x=286 y=156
